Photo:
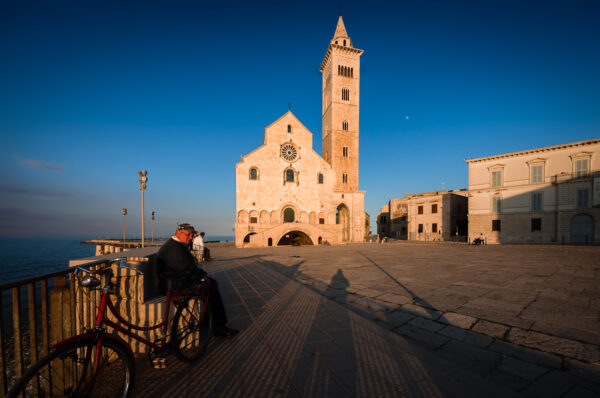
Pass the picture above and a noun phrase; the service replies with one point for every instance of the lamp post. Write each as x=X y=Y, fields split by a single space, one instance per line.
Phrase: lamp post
x=152 y=213
x=143 y=181
x=124 y=214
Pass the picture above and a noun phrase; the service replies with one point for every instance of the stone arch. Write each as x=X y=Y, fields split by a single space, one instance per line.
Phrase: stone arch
x=247 y=237
x=312 y=217
x=295 y=238
x=264 y=217
x=342 y=217
x=243 y=216
x=582 y=228
x=291 y=211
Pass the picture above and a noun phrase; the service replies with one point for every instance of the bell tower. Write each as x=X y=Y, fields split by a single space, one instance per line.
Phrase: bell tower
x=341 y=89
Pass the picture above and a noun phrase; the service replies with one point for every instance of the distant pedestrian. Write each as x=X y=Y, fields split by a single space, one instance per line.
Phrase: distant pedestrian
x=199 y=247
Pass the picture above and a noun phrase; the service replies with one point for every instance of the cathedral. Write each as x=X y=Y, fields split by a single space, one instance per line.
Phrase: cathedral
x=288 y=194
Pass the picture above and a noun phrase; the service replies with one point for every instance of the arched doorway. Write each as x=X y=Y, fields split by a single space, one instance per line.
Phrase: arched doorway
x=582 y=229
x=247 y=237
x=270 y=242
x=342 y=217
x=295 y=238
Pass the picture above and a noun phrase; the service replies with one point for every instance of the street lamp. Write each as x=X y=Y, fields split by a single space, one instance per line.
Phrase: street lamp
x=143 y=181
x=152 y=213
x=124 y=214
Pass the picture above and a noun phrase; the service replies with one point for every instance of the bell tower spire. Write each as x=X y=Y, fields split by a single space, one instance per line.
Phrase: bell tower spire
x=341 y=89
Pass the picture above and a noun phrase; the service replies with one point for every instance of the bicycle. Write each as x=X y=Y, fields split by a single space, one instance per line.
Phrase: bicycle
x=99 y=363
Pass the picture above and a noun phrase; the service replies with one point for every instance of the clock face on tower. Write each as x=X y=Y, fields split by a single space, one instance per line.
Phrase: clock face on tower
x=289 y=152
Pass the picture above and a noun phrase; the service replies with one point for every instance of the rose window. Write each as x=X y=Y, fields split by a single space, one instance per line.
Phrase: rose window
x=289 y=152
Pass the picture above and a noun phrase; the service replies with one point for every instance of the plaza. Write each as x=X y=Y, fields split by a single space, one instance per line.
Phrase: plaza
x=399 y=319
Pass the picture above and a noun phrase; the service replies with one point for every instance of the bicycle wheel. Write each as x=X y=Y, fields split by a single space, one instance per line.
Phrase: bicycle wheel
x=68 y=371
x=191 y=329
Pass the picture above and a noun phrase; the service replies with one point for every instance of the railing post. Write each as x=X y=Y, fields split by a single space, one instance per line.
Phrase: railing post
x=18 y=339
x=60 y=310
x=33 y=333
x=3 y=376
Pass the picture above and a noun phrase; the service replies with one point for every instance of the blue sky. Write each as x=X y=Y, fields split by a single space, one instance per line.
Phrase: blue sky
x=91 y=92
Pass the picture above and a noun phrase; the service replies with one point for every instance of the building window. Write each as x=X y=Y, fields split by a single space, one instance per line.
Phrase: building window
x=496 y=178
x=536 y=224
x=288 y=215
x=289 y=128
x=497 y=204
x=420 y=210
x=254 y=173
x=345 y=178
x=496 y=225
x=344 y=42
x=345 y=125
x=345 y=151
x=321 y=221
x=434 y=208
x=345 y=94
x=434 y=228
x=583 y=198
x=536 y=201
x=537 y=174
x=420 y=230
x=253 y=220
x=289 y=175
x=581 y=167
x=320 y=178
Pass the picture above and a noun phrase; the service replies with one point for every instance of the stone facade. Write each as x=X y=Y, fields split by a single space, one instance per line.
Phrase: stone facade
x=286 y=193
x=543 y=195
x=439 y=215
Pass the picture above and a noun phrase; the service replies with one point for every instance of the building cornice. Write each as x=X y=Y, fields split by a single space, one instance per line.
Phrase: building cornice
x=535 y=150
x=338 y=47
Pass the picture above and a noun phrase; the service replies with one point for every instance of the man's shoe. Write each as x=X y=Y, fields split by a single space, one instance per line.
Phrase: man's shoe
x=225 y=332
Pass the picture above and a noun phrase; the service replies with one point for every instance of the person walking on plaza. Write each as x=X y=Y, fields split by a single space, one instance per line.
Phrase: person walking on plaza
x=174 y=255
x=203 y=253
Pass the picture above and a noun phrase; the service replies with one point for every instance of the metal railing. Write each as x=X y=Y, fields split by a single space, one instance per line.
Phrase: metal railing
x=36 y=313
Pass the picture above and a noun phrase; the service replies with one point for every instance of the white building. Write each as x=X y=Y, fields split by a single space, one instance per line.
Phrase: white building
x=549 y=194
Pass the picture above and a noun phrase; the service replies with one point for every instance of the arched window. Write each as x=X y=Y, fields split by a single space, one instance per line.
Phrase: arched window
x=289 y=128
x=345 y=178
x=345 y=151
x=320 y=178
x=345 y=125
x=254 y=173
x=339 y=68
x=289 y=175
x=351 y=72
x=288 y=215
x=344 y=42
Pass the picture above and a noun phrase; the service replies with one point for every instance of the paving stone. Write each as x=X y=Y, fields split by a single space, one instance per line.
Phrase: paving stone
x=525 y=370
x=543 y=342
x=589 y=371
x=426 y=324
x=422 y=311
x=476 y=359
x=491 y=329
x=553 y=384
x=526 y=354
x=467 y=384
x=394 y=299
x=466 y=336
x=398 y=318
x=508 y=380
x=458 y=320
x=428 y=339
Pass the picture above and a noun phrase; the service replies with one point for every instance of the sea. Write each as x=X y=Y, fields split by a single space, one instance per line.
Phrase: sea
x=26 y=258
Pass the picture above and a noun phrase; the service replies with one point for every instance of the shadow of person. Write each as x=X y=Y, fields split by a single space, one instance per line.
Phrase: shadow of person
x=338 y=288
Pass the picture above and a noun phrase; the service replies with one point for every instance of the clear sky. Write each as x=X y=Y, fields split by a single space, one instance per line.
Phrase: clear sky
x=93 y=91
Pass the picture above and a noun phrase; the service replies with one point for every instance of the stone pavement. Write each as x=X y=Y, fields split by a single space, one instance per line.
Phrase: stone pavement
x=399 y=319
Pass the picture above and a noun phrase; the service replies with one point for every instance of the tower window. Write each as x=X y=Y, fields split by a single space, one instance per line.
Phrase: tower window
x=345 y=178
x=345 y=94
x=320 y=178
x=345 y=151
x=351 y=72
x=254 y=173
x=289 y=128
x=344 y=42
x=345 y=125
